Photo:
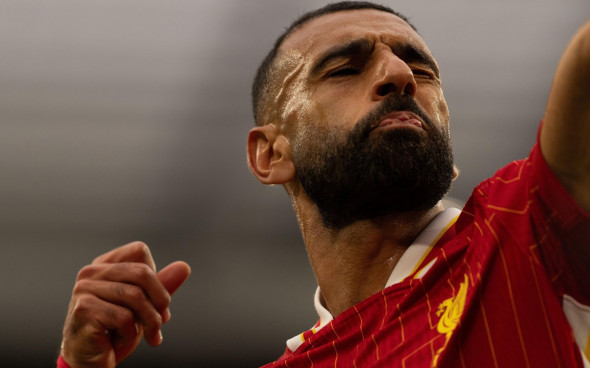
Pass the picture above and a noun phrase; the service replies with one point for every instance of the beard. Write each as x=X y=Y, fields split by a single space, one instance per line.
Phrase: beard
x=358 y=176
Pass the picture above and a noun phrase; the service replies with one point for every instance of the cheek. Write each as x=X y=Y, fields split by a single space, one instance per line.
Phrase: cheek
x=439 y=105
x=305 y=121
x=297 y=108
x=306 y=108
x=300 y=114
x=442 y=112
x=342 y=107
x=436 y=107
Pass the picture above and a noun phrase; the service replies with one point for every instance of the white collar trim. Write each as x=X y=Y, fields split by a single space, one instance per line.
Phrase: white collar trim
x=415 y=254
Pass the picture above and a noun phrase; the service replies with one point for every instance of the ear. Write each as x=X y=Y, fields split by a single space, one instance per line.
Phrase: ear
x=455 y=172
x=269 y=155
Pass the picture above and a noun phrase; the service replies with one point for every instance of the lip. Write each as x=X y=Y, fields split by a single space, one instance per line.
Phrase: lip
x=399 y=119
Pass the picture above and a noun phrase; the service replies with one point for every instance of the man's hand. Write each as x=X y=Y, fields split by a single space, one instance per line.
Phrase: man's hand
x=117 y=299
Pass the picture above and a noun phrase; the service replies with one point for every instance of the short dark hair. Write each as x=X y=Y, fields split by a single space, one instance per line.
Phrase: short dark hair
x=263 y=75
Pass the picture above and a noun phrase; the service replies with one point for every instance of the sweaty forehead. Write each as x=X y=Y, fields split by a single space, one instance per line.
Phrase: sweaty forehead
x=326 y=31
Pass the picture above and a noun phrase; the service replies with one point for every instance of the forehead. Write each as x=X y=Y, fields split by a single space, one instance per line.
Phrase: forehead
x=326 y=31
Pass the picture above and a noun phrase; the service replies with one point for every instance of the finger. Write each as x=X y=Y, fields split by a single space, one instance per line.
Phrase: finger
x=132 y=252
x=122 y=348
x=174 y=275
x=129 y=296
x=86 y=332
x=138 y=274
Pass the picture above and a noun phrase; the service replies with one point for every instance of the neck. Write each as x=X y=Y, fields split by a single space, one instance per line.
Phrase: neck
x=355 y=262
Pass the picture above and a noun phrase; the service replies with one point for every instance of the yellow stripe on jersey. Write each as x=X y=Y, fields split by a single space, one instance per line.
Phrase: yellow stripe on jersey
x=587 y=349
x=451 y=223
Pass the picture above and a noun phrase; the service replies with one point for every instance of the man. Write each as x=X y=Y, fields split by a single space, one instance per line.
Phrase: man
x=351 y=119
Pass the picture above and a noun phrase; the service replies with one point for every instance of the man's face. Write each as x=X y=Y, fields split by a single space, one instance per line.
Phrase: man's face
x=362 y=103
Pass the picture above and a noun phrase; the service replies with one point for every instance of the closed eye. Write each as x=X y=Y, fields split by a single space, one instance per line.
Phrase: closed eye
x=422 y=73
x=343 y=72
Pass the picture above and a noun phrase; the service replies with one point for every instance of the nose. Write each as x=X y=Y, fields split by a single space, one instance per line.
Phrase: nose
x=393 y=75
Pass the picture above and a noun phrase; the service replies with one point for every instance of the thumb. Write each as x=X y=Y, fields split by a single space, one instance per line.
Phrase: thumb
x=174 y=275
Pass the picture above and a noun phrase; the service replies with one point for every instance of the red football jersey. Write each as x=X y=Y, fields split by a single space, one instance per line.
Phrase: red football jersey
x=495 y=289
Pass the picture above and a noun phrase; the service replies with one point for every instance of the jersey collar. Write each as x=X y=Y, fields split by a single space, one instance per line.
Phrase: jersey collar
x=407 y=265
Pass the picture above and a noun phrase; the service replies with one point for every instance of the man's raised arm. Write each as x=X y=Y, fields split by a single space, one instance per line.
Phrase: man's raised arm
x=565 y=135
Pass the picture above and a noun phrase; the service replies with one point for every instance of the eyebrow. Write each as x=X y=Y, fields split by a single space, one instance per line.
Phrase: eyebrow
x=349 y=49
x=408 y=52
x=411 y=53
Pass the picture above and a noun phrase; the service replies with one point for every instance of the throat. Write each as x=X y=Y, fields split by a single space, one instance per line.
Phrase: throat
x=355 y=272
x=354 y=287
x=354 y=264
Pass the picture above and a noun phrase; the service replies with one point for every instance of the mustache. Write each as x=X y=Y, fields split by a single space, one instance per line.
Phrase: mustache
x=391 y=104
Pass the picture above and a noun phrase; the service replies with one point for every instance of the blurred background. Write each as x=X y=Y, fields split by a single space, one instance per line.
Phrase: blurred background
x=126 y=120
